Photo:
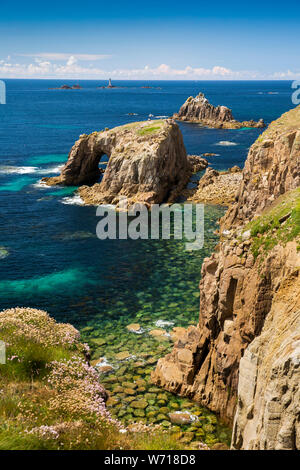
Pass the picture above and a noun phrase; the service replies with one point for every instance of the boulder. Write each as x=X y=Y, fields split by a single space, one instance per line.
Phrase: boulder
x=180 y=417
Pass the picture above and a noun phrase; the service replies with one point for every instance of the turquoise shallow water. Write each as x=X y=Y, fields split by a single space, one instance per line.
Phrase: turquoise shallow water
x=63 y=191
x=52 y=158
x=17 y=183
x=50 y=257
x=70 y=280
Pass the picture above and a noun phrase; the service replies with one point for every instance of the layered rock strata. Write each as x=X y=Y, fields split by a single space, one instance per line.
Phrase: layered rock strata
x=240 y=288
x=198 y=109
x=267 y=415
x=147 y=163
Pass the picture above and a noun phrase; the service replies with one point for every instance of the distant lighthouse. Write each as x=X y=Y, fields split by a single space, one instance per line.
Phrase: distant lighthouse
x=109 y=83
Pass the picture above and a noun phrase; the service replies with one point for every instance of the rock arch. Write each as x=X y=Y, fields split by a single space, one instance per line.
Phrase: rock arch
x=147 y=163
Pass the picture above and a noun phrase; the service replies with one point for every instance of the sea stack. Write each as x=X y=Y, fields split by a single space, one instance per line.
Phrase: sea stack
x=147 y=163
x=198 y=109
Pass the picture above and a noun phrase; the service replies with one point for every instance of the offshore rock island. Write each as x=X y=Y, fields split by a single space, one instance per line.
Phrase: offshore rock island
x=147 y=163
x=199 y=110
x=242 y=360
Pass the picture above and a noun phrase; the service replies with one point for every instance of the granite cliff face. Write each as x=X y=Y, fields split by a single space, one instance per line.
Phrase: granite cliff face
x=241 y=285
x=147 y=163
x=198 y=109
x=267 y=415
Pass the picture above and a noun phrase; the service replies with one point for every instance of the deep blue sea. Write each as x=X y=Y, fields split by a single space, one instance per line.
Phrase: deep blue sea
x=50 y=257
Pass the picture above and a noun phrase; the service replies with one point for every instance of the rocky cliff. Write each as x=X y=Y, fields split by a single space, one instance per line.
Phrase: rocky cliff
x=147 y=163
x=242 y=283
x=267 y=415
x=198 y=109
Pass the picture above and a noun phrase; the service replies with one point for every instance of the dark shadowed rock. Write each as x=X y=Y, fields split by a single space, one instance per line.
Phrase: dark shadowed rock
x=197 y=163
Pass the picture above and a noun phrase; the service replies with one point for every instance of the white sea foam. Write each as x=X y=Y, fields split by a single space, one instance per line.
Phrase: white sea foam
x=163 y=323
x=45 y=171
x=103 y=362
x=73 y=201
x=109 y=206
x=137 y=332
x=226 y=143
x=24 y=170
x=161 y=117
x=17 y=170
x=40 y=185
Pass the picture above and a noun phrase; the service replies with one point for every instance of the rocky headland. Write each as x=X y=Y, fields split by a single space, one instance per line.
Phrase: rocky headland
x=242 y=360
x=147 y=163
x=198 y=109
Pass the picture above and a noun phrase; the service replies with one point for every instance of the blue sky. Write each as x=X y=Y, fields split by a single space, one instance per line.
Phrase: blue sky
x=149 y=40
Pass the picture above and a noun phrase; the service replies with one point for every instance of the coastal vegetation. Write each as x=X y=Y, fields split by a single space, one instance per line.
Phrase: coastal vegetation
x=280 y=223
x=51 y=398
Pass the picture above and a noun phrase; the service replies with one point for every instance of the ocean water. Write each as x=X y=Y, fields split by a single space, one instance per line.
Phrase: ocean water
x=50 y=257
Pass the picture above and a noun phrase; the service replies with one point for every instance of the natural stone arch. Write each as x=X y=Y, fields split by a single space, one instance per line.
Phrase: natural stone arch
x=82 y=166
x=147 y=163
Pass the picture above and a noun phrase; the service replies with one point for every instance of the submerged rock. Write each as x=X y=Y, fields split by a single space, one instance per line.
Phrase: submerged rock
x=179 y=417
x=3 y=252
x=134 y=328
x=199 y=110
x=157 y=332
x=121 y=356
x=147 y=164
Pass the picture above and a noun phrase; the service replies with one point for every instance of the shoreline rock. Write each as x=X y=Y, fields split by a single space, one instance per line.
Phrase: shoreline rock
x=217 y=187
x=197 y=163
x=198 y=109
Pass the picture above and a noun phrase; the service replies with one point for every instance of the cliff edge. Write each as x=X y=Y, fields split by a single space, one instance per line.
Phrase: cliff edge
x=258 y=252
